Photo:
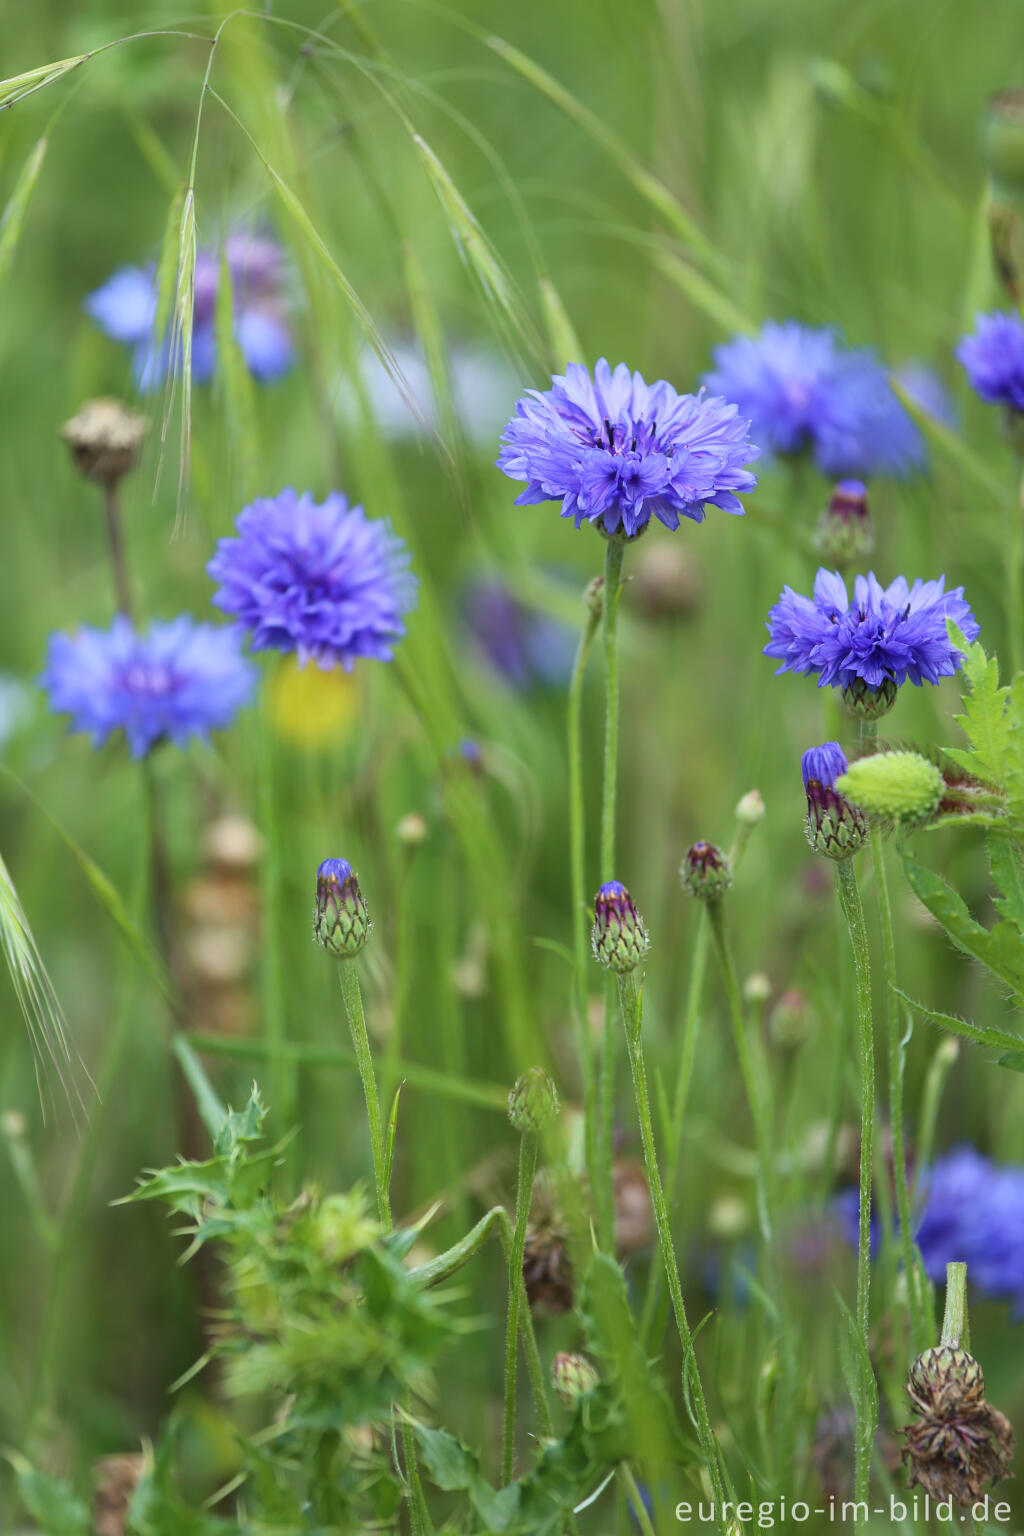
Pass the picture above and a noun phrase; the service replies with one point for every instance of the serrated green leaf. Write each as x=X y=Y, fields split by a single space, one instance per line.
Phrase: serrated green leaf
x=992 y=1039
x=1014 y=1060
x=1000 y=949
x=984 y=720
x=1004 y=859
x=51 y=1502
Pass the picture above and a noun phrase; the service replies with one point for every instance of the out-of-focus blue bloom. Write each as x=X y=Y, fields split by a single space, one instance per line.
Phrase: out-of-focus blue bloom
x=970 y=1209
x=927 y=391
x=824 y=764
x=887 y=634
x=615 y=450
x=480 y=382
x=178 y=679
x=126 y=308
x=522 y=645
x=323 y=581
x=993 y=358
x=804 y=391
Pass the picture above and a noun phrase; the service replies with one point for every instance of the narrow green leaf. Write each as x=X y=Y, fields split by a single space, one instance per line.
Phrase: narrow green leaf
x=212 y=1111
x=1014 y=1060
x=17 y=87
x=14 y=214
x=992 y=1039
x=563 y=342
x=389 y=1147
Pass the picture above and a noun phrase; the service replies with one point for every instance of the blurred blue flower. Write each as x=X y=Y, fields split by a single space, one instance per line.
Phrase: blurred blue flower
x=614 y=449
x=927 y=391
x=522 y=645
x=177 y=680
x=126 y=308
x=323 y=581
x=993 y=358
x=969 y=1210
x=803 y=390
x=823 y=765
x=887 y=634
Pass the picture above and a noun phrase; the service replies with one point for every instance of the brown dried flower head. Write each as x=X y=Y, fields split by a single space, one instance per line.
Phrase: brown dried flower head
x=959 y=1441
x=105 y=438
x=547 y=1266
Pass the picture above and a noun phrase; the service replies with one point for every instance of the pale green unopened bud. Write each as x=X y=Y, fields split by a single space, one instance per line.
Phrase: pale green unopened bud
x=573 y=1377
x=870 y=703
x=750 y=809
x=893 y=786
x=758 y=987
x=533 y=1102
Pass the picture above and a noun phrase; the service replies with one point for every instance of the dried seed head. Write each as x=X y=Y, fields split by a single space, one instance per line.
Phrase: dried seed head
x=105 y=438
x=959 y=1441
x=547 y=1266
x=1004 y=142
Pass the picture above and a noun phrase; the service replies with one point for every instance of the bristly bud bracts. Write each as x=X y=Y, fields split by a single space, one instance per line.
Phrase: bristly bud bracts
x=959 y=1441
x=619 y=936
x=533 y=1101
x=341 y=923
x=845 y=533
x=869 y=703
x=834 y=827
x=572 y=1377
x=706 y=872
x=894 y=786
x=105 y=439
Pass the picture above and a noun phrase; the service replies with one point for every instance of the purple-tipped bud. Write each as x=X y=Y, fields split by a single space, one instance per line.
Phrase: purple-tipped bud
x=619 y=937
x=341 y=923
x=845 y=534
x=533 y=1102
x=834 y=827
x=470 y=754
x=573 y=1377
x=706 y=872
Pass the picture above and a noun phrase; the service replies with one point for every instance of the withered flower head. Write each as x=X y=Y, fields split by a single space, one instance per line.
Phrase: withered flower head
x=547 y=1266
x=959 y=1441
x=105 y=438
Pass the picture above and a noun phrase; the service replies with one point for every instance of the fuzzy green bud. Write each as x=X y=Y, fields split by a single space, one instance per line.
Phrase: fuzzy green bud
x=341 y=923
x=894 y=786
x=750 y=810
x=533 y=1102
x=870 y=703
x=572 y=1377
x=706 y=872
x=619 y=936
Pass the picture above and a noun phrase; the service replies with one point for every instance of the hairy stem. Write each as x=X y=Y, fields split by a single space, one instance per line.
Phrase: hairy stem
x=118 y=559
x=524 y=1190
x=853 y=911
x=578 y=878
x=955 y=1327
x=353 y=1000
x=605 y=1191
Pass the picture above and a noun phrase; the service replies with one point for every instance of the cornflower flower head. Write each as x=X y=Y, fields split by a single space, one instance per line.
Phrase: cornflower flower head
x=805 y=392
x=869 y=647
x=177 y=680
x=323 y=581
x=125 y=307
x=993 y=359
x=617 y=451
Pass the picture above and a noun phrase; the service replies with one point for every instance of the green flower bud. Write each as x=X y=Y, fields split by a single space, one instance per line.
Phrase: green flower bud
x=845 y=533
x=945 y=1377
x=706 y=872
x=573 y=1377
x=341 y=923
x=870 y=703
x=894 y=786
x=750 y=809
x=789 y=1021
x=619 y=937
x=533 y=1102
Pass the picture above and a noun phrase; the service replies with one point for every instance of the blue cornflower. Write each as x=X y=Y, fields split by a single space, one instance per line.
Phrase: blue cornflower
x=323 y=581
x=179 y=679
x=993 y=358
x=522 y=645
x=804 y=391
x=126 y=308
x=823 y=765
x=927 y=391
x=885 y=636
x=618 y=451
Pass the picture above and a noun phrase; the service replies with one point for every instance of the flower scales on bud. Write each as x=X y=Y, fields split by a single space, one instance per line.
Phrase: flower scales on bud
x=706 y=872
x=341 y=923
x=869 y=703
x=533 y=1102
x=845 y=534
x=619 y=935
x=894 y=786
x=572 y=1377
x=834 y=827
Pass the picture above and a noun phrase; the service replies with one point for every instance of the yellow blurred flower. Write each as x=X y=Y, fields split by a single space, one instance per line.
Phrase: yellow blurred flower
x=309 y=707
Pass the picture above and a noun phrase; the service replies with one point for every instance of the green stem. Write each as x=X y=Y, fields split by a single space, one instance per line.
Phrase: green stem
x=640 y=1514
x=578 y=877
x=955 y=1326
x=630 y=1004
x=524 y=1191
x=118 y=559
x=760 y=1107
x=353 y=1000
x=849 y=897
x=1015 y=580
x=605 y=1198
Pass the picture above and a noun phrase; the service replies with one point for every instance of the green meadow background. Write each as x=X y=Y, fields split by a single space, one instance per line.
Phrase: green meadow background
x=816 y=160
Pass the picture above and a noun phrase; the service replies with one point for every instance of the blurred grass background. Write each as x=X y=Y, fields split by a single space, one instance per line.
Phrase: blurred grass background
x=829 y=155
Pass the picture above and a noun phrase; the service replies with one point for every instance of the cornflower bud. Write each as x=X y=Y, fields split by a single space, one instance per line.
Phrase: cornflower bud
x=706 y=872
x=869 y=703
x=834 y=827
x=894 y=786
x=533 y=1101
x=845 y=533
x=412 y=830
x=573 y=1377
x=750 y=810
x=789 y=1021
x=619 y=936
x=341 y=923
